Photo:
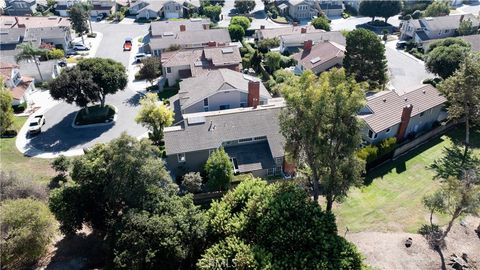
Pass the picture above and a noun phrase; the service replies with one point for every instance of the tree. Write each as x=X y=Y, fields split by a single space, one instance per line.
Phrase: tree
x=192 y=182
x=462 y=91
x=155 y=117
x=453 y=163
x=365 y=58
x=27 y=229
x=244 y=6
x=56 y=54
x=74 y=85
x=219 y=170
x=213 y=12
x=79 y=19
x=448 y=42
x=6 y=111
x=321 y=23
x=265 y=44
x=437 y=8
x=434 y=202
x=151 y=69
x=243 y=21
x=236 y=32
x=385 y=9
x=369 y=8
x=29 y=52
x=466 y=28
x=274 y=226
x=109 y=75
x=322 y=131
x=272 y=60
x=443 y=60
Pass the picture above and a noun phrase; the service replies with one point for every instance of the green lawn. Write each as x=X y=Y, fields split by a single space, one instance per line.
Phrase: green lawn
x=12 y=160
x=393 y=199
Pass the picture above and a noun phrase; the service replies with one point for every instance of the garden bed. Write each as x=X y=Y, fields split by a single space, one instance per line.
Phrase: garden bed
x=96 y=115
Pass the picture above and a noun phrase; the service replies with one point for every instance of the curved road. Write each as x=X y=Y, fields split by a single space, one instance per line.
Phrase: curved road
x=58 y=136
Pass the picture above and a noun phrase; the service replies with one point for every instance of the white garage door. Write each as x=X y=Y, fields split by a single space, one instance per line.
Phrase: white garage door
x=171 y=15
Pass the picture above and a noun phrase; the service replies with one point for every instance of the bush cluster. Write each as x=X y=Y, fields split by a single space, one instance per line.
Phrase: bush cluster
x=370 y=153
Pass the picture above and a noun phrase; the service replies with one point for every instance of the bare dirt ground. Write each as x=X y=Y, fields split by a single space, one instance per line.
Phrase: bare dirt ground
x=388 y=251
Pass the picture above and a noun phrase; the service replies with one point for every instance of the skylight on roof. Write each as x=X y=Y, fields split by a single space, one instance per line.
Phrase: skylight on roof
x=198 y=64
x=227 y=50
x=315 y=60
x=196 y=120
x=168 y=34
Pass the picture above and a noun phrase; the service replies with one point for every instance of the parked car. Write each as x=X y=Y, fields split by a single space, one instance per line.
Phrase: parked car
x=140 y=56
x=69 y=53
x=127 y=45
x=101 y=16
x=62 y=63
x=80 y=47
x=36 y=124
x=401 y=45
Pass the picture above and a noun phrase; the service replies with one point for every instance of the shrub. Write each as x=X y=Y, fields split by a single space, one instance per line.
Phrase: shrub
x=387 y=146
x=219 y=170
x=56 y=54
x=416 y=14
x=13 y=187
x=321 y=23
x=192 y=182
x=243 y=21
x=236 y=32
x=434 y=82
x=27 y=229
x=368 y=153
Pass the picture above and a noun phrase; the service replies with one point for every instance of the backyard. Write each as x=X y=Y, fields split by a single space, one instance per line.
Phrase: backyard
x=12 y=160
x=391 y=201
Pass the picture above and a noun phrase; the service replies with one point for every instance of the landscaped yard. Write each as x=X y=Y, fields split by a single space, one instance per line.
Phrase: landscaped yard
x=96 y=114
x=12 y=160
x=393 y=199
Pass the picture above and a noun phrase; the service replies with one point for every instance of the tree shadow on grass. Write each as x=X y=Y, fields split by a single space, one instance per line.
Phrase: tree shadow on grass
x=399 y=165
x=457 y=135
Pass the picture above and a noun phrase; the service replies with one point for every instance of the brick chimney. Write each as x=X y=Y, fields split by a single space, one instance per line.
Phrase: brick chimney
x=262 y=27
x=295 y=23
x=253 y=93
x=303 y=30
x=406 y=114
x=462 y=17
x=183 y=28
x=212 y=44
x=307 y=45
x=205 y=27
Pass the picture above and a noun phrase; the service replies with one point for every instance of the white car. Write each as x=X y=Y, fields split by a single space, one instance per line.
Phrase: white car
x=36 y=124
x=80 y=47
x=140 y=56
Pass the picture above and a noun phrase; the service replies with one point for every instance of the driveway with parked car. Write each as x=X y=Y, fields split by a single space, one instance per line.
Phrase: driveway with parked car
x=58 y=136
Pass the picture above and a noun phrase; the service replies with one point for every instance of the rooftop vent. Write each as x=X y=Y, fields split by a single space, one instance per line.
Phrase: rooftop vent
x=198 y=64
x=424 y=91
x=406 y=99
x=384 y=100
x=315 y=60
x=227 y=50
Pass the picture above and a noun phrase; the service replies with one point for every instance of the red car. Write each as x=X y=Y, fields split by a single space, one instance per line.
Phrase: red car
x=127 y=45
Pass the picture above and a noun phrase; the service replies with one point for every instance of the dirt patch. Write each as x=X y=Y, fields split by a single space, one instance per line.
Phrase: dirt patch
x=388 y=251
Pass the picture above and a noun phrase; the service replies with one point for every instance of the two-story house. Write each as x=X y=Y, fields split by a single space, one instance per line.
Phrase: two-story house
x=20 y=7
x=168 y=9
x=425 y=29
x=20 y=86
x=62 y=6
x=250 y=136
x=302 y=9
x=319 y=57
x=388 y=114
x=188 y=63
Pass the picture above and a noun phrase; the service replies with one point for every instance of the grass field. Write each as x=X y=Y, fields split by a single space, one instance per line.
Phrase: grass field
x=12 y=160
x=393 y=199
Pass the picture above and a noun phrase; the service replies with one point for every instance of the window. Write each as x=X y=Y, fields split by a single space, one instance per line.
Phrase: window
x=181 y=157
x=446 y=31
x=278 y=170
x=278 y=160
x=388 y=130
x=205 y=102
x=261 y=138
x=270 y=171
x=205 y=109
x=224 y=107
x=243 y=104
x=245 y=140
x=370 y=134
x=169 y=70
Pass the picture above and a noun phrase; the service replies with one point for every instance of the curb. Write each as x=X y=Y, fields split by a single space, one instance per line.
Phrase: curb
x=98 y=124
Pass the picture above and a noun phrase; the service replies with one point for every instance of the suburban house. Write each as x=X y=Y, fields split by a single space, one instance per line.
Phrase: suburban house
x=192 y=33
x=188 y=63
x=294 y=42
x=169 y=9
x=319 y=57
x=251 y=137
x=473 y=40
x=331 y=8
x=20 y=7
x=106 y=7
x=306 y=9
x=263 y=33
x=220 y=89
x=20 y=86
x=388 y=114
x=62 y=6
x=58 y=36
x=425 y=29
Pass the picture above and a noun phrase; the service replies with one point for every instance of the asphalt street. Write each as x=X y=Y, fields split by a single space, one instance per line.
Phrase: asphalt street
x=58 y=135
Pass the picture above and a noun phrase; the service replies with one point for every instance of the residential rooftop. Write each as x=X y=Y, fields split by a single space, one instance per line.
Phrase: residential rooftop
x=334 y=36
x=320 y=53
x=32 y=21
x=288 y=30
x=190 y=38
x=444 y=22
x=194 y=24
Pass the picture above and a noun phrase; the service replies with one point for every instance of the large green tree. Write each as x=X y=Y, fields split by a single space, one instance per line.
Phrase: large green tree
x=236 y=32
x=272 y=61
x=437 y=8
x=322 y=131
x=462 y=90
x=109 y=75
x=155 y=116
x=28 y=52
x=276 y=226
x=445 y=56
x=244 y=6
x=6 y=110
x=27 y=229
x=151 y=69
x=321 y=23
x=219 y=170
x=365 y=58
x=213 y=12
x=384 y=9
x=243 y=21
x=79 y=19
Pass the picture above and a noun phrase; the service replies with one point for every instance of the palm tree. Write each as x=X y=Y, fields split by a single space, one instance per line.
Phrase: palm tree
x=30 y=52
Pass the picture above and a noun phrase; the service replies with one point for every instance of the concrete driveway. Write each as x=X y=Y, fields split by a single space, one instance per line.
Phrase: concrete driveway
x=59 y=137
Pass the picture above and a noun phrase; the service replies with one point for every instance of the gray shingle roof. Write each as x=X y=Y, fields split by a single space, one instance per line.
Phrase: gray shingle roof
x=11 y=35
x=319 y=54
x=447 y=22
x=35 y=34
x=387 y=106
x=334 y=36
x=190 y=38
x=227 y=125
x=193 y=90
x=160 y=27
x=288 y=30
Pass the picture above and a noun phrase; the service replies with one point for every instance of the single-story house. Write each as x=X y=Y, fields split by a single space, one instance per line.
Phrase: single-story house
x=250 y=136
x=295 y=42
x=473 y=40
x=263 y=33
x=20 y=86
x=388 y=114
x=319 y=57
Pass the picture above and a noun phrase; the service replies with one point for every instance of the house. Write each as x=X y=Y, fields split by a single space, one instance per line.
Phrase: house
x=49 y=70
x=220 y=89
x=187 y=63
x=319 y=57
x=388 y=114
x=424 y=29
x=106 y=7
x=473 y=40
x=294 y=42
x=193 y=33
x=32 y=21
x=20 y=86
x=169 y=9
x=331 y=8
x=60 y=37
x=20 y=7
x=250 y=136
x=62 y=6
x=146 y=10
x=270 y=33
x=302 y=9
